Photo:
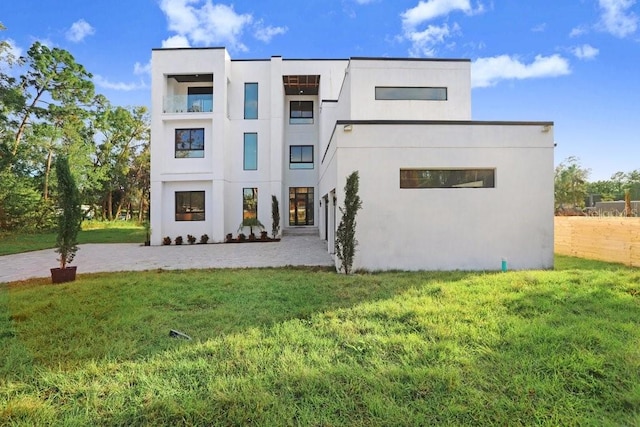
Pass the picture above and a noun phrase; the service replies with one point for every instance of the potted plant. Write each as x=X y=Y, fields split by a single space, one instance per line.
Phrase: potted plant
x=229 y=238
x=179 y=240
x=204 y=239
x=69 y=222
x=191 y=239
x=166 y=241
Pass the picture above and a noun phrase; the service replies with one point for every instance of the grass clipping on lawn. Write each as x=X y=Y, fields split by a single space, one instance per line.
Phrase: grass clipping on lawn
x=309 y=347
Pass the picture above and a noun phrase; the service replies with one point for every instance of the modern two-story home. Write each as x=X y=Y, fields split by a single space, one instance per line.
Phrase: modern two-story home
x=439 y=190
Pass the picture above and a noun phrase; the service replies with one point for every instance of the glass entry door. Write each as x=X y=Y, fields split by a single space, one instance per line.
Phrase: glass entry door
x=300 y=206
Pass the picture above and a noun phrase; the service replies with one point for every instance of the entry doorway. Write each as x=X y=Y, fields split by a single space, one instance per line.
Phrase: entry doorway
x=301 y=206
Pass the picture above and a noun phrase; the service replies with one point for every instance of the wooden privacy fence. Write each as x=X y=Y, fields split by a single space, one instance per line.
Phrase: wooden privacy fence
x=613 y=239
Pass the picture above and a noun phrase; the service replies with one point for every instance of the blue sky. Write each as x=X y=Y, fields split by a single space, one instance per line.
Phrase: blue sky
x=574 y=62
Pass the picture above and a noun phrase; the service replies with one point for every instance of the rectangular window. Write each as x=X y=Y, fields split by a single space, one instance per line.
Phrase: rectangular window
x=251 y=100
x=200 y=99
x=411 y=93
x=189 y=205
x=447 y=178
x=189 y=143
x=301 y=157
x=249 y=203
x=301 y=112
x=250 y=151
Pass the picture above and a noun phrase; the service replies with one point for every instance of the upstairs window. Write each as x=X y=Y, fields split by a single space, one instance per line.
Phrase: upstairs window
x=251 y=101
x=447 y=178
x=411 y=93
x=189 y=143
x=301 y=112
x=200 y=99
x=189 y=205
x=250 y=160
x=301 y=157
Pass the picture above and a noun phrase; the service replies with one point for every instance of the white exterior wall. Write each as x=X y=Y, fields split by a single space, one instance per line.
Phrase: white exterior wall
x=366 y=74
x=449 y=229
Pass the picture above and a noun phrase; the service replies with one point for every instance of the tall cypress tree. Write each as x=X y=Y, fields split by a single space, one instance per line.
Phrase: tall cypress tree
x=346 y=234
x=70 y=216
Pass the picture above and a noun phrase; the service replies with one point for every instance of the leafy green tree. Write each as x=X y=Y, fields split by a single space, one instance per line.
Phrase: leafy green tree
x=346 y=234
x=570 y=184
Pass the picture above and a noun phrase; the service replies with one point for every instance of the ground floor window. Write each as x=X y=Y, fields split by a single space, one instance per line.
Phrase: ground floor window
x=249 y=203
x=189 y=205
x=447 y=178
x=300 y=206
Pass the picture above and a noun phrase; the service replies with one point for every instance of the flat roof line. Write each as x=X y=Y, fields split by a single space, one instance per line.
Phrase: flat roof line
x=444 y=122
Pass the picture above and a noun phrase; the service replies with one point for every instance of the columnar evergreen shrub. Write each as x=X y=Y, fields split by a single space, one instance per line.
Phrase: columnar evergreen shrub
x=70 y=217
x=346 y=234
x=275 y=216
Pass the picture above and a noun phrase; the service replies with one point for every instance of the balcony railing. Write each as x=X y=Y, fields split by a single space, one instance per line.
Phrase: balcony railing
x=188 y=104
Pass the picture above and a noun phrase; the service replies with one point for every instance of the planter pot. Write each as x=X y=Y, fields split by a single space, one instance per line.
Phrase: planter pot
x=62 y=275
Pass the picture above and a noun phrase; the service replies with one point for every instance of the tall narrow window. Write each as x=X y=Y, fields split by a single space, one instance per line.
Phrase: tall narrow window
x=250 y=151
x=301 y=112
x=189 y=143
x=301 y=157
x=249 y=203
x=251 y=100
x=189 y=205
x=447 y=178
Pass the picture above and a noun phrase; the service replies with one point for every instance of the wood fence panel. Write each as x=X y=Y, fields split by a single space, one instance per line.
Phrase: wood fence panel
x=613 y=239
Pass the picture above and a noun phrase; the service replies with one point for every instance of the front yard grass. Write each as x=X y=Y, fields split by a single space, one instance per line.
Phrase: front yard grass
x=92 y=232
x=310 y=347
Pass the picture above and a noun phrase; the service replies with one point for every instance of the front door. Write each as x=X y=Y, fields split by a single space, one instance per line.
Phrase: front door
x=300 y=206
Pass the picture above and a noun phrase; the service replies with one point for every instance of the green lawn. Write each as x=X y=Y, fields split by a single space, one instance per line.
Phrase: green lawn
x=92 y=232
x=310 y=347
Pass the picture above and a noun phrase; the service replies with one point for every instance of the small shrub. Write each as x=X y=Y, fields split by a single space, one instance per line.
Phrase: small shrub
x=191 y=239
x=179 y=240
x=166 y=241
x=242 y=237
x=204 y=239
x=264 y=235
x=229 y=238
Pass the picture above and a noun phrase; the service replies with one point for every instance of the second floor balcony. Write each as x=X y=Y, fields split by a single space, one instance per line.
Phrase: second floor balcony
x=188 y=104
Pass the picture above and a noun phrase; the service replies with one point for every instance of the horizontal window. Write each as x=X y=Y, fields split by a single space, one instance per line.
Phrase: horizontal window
x=301 y=157
x=301 y=112
x=447 y=178
x=411 y=93
x=189 y=143
x=189 y=205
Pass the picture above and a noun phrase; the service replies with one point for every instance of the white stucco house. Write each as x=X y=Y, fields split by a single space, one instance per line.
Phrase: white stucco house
x=439 y=190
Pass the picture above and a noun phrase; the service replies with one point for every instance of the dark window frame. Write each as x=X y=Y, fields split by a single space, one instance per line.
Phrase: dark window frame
x=447 y=178
x=301 y=163
x=185 y=211
x=380 y=96
x=299 y=115
x=188 y=149
x=248 y=101
x=244 y=152
x=248 y=211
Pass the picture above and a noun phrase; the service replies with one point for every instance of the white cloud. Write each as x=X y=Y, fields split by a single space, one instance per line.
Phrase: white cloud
x=139 y=68
x=265 y=34
x=176 y=41
x=578 y=31
x=540 y=28
x=125 y=87
x=431 y=9
x=585 y=52
x=487 y=72
x=424 y=42
x=616 y=17
x=79 y=30
x=208 y=24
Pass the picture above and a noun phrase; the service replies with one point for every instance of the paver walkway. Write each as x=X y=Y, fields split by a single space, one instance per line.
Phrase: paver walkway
x=297 y=250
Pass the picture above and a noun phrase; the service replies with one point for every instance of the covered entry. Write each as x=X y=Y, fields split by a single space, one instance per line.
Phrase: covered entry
x=300 y=206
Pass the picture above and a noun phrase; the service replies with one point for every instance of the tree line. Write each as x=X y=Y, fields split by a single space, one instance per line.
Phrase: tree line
x=572 y=187
x=49 y=107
